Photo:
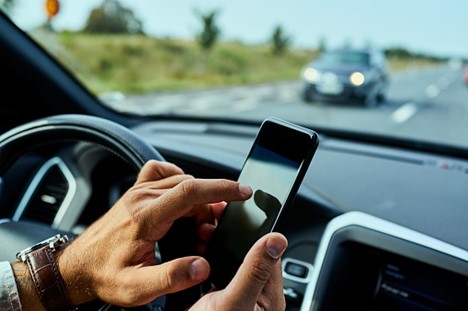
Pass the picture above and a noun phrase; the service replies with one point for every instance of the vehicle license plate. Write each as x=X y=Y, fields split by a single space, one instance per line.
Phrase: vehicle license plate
x=330 y=84
x=330 y=88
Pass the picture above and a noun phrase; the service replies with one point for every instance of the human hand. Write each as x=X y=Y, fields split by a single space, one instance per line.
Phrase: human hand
x=114 y=259
x=258 y=284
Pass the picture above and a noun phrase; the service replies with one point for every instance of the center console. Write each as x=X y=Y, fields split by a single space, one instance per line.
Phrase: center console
x=366 y=263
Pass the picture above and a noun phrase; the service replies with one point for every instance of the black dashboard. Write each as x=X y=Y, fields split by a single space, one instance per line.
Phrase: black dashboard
x=421 y=191
x=370 y=188
x=382 y=227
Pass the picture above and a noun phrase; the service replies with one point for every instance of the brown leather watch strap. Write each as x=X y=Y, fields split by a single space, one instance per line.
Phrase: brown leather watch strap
x=47 y=280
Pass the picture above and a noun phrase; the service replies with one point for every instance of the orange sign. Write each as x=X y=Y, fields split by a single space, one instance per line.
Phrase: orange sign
x=52 y=7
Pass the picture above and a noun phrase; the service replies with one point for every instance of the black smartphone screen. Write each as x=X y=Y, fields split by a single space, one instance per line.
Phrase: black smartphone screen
x=273 y=169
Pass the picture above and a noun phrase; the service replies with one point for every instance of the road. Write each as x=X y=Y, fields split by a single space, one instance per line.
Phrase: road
x=429 y=104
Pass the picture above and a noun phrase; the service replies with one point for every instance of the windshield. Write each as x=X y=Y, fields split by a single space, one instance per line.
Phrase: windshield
x=345 y=58
x=246 y=60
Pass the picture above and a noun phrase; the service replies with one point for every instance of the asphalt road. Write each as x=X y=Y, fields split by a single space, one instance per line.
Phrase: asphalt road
x=429 y=104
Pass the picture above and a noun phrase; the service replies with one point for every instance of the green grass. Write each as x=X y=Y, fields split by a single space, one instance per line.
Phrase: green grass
x=134 y=64
x=137 y=63
x=396 y=64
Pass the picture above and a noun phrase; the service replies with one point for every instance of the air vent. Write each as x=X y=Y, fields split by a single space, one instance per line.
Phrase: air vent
x=46 y=194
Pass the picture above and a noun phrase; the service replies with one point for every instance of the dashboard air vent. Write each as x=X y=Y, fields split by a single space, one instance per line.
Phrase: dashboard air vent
x=46 y=194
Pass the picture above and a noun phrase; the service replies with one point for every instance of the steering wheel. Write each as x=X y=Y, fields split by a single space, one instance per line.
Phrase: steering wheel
x=114 y=137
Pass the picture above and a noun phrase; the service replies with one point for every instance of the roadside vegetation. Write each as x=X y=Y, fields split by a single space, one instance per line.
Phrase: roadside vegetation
x=156 y=64
x=113 y=53
x=138 y=63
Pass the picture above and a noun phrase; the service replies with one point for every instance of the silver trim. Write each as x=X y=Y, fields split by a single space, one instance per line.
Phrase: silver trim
x=73 y=203
x=70 y=193
x=294 y=278
x=5 y=220
x=36 y=182
x=379 y=225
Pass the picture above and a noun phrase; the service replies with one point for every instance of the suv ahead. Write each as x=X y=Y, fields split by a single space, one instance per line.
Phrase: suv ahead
x=347 y=75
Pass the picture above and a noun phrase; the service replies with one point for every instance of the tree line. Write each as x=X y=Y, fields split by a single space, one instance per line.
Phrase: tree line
x=111 y=17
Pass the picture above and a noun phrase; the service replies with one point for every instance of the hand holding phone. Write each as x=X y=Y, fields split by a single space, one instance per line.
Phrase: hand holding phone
x=274 y=168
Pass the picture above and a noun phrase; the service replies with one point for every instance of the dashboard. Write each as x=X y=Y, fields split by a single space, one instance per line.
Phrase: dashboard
x=379 y=227
x=392 y=221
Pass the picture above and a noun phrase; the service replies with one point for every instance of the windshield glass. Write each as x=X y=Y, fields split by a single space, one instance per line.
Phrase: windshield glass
x=246 y=60
x=345 y=58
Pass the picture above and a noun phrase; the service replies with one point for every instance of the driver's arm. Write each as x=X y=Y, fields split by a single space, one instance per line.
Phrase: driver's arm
x=27 y=293
x=114 y=260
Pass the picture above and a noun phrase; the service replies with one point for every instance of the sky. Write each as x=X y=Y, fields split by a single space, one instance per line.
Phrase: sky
x=429 y=26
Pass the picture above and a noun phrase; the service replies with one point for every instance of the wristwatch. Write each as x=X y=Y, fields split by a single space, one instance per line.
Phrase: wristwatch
x=47 y=280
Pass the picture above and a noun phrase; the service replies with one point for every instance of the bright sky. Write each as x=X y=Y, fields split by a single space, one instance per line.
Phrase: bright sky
x=432 y=26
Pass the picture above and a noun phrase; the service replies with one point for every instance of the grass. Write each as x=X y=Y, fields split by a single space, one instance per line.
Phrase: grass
x=137 y=63
x=397 y=64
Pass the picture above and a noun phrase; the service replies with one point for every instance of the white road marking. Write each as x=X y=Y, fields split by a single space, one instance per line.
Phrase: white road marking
x=404 y=113
x=432 y=91
x=443 y=82
x=245 y=104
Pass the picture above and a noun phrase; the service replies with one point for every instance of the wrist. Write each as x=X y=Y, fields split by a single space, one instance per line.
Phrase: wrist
x=44 y=275
x=27 y=293
x=77 y=285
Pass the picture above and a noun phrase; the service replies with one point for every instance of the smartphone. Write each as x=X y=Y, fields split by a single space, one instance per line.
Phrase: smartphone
x=274 y=169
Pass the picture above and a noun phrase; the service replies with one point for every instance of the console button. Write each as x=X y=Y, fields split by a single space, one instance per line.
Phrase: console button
x=296 y=270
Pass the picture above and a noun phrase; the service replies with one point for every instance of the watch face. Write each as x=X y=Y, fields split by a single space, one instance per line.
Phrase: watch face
x=52 y=242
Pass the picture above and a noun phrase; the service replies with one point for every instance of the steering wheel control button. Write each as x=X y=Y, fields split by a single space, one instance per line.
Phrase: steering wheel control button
x=297 y=270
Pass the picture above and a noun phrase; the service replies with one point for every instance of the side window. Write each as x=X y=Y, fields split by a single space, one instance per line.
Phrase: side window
x=379 y=60
x=383 y=61
x=374 y=61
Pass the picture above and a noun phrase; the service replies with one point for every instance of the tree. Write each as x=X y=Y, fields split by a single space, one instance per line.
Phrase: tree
x=280 y=41
x=112 y=17
x=322 y=45
x=398 y=52
x=210 y=31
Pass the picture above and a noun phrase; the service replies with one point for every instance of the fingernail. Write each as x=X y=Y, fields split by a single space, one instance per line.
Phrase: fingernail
x=196 y=270
x=245 y=190
x=274 y=248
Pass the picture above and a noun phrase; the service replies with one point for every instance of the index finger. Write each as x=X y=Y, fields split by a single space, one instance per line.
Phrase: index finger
x=183 y=198
x=155 y=170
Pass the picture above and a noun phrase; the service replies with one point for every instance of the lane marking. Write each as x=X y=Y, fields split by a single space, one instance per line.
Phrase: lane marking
x=432 y=91
x=443 y=82
x=404 y=113
x=246 y=104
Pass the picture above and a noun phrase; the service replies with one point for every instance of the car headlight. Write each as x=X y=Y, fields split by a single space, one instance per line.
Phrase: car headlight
x=311 y=75
x=357 y=78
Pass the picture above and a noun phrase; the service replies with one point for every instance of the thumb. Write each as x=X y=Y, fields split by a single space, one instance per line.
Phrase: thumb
x=169 y=277
x=258 y=267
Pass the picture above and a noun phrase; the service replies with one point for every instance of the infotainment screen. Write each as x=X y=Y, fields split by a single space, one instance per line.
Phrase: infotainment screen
x=405 y=284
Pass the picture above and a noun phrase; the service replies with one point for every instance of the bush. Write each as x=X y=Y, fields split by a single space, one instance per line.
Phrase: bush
x=112 y=17
x=280 y=41
x=210 y=31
